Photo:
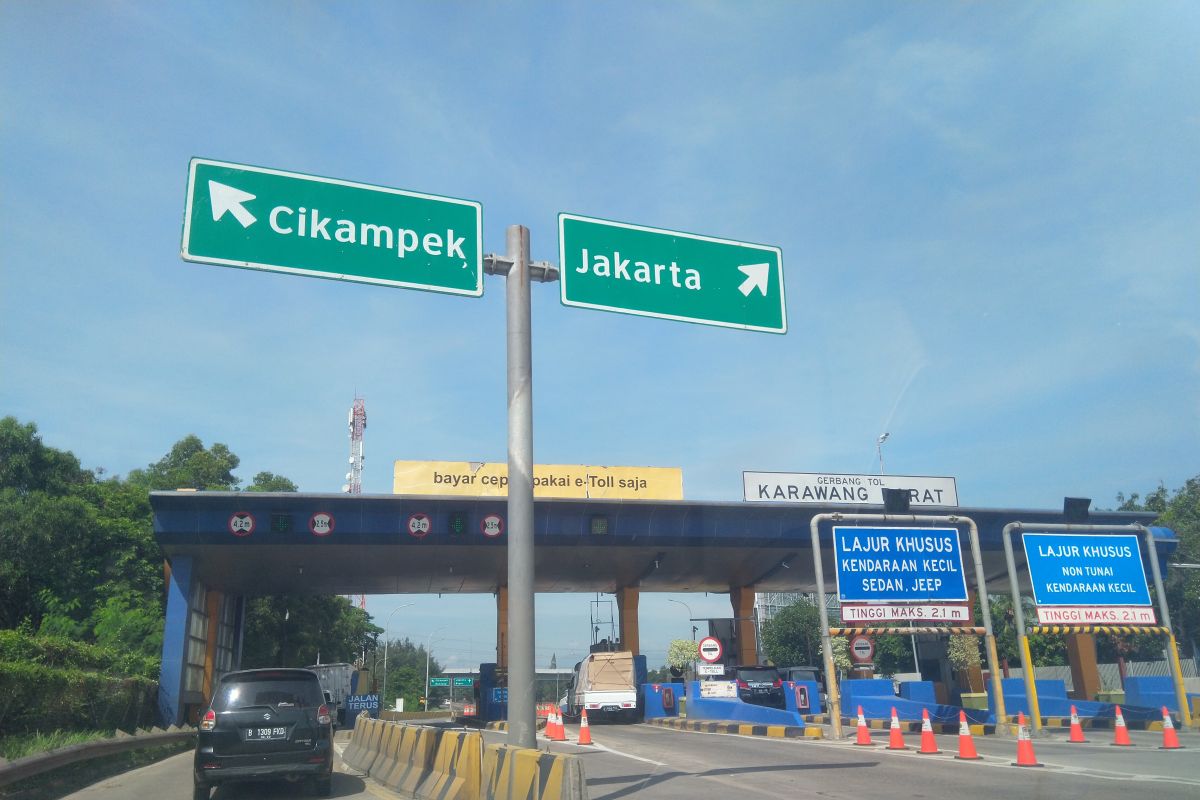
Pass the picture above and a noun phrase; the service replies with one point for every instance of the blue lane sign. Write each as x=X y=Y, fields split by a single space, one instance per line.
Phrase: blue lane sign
x=1070 y=569
x=499 y=694
x=363 y=702
x=882 y=565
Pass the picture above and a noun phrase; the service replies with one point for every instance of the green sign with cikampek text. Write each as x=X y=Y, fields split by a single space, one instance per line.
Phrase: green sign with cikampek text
x=268 y=219
x=633 y=269
x=439 y=681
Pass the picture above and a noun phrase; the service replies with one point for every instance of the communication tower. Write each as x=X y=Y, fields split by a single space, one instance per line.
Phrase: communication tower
x=353 y=485
x=358 y=424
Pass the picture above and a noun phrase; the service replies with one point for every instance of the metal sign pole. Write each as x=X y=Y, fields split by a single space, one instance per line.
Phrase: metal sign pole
x=1031 y=698
x=1185 y=714
x=831 y=683
x=522 y=722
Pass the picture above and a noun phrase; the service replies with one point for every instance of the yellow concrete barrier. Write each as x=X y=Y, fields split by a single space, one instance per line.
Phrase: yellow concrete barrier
x=436 y=764
x=414 y=761
x=514 y=773
x=364 y=744
x=389 y=744
x=455 y=773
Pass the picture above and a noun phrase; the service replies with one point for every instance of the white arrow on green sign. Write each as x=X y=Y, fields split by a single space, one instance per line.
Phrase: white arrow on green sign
x=258 y=218
x=651 y=272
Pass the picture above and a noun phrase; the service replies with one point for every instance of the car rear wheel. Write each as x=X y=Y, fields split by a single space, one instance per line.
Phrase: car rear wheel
x=323 y=787
x=200 y=791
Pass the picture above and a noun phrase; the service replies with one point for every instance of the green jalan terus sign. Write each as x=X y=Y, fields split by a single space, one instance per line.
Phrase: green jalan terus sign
x=652 y=272
x=268 y=219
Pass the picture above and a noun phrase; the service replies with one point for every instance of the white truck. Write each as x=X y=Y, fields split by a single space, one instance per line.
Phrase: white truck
x=608 y=685
x=336 y=681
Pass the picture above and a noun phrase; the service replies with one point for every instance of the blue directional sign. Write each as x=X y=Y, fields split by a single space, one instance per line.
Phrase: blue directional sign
x=889 y=565
x=363 y=702
x=1068 y=569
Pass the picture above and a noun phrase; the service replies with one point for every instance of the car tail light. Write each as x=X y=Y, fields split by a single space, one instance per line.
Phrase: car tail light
x=323 y=715
x=742 y=684
x=210 y=720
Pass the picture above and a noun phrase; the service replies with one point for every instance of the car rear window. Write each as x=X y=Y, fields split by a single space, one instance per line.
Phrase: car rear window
x=768 y=675
x=276 y=692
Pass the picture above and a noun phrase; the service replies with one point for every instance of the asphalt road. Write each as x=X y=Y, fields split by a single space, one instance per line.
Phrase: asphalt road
x=651 y=763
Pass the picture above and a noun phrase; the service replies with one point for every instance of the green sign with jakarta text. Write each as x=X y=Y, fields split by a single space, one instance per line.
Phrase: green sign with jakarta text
x=258 y=218
x=651 y=272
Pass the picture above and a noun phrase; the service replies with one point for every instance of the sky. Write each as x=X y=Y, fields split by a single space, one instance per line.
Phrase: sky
x=988 y=217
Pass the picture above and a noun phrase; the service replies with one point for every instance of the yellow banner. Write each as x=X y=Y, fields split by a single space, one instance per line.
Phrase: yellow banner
x=482 y=479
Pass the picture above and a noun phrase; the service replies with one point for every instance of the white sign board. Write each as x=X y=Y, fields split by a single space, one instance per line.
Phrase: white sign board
x=845 y=489
x=710 y=669
x=1095 y=615
x=718 y=689
x=915 y=612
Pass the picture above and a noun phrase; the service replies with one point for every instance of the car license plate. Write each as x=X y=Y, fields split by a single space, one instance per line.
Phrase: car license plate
x=266 y=733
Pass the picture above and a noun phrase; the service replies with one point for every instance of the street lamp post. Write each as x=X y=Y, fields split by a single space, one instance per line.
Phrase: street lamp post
x=689 y=610
x=387 y=638
x=883 y=437
x=428 y=644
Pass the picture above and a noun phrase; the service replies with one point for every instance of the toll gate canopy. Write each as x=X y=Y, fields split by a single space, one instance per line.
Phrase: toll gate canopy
x=225 y=546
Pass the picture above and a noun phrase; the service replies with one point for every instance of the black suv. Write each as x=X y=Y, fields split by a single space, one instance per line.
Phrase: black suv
x=265 y=724
x=760 y=685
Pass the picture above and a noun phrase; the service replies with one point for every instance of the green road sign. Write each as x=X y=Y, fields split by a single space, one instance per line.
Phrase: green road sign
x=439 y=682
x=257 y=218
x=651 y=272
x=464 y=681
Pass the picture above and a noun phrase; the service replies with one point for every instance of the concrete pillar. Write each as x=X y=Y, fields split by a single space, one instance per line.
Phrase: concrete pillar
x=742 y=600
x=502 y=627
x=170 y=671
x=212 y=610
x=975 y=673
x=1085 y=674
x=627 y=612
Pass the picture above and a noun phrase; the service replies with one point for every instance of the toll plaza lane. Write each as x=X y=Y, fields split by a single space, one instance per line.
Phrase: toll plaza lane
x=644 y=761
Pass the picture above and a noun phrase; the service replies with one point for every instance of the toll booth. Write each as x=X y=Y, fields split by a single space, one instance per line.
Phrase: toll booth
x=491 y=701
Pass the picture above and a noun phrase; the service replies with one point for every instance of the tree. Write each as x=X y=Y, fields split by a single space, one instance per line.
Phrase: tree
x=189 y=465
x=793 y=636
x=270 y=482
x=27 y=465
x=893 y=654
x=293 y=630
x=406 y=673
x=1181 y=513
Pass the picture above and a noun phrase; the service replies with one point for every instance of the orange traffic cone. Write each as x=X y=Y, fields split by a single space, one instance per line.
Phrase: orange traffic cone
x=1025 y=755
x=554 y=728
x=1076 y=735
x=1170 y=737
x=1120 y=732
x=895 y=737
x=966 y=745
x=928 y=743
x=863 y=735
x=585 y=732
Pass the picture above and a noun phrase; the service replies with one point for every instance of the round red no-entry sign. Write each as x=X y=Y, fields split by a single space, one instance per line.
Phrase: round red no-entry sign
x=861 y=649
x=711 y=649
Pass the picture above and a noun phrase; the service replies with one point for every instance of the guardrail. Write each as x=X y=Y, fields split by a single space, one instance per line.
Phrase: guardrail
x=28 y=767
